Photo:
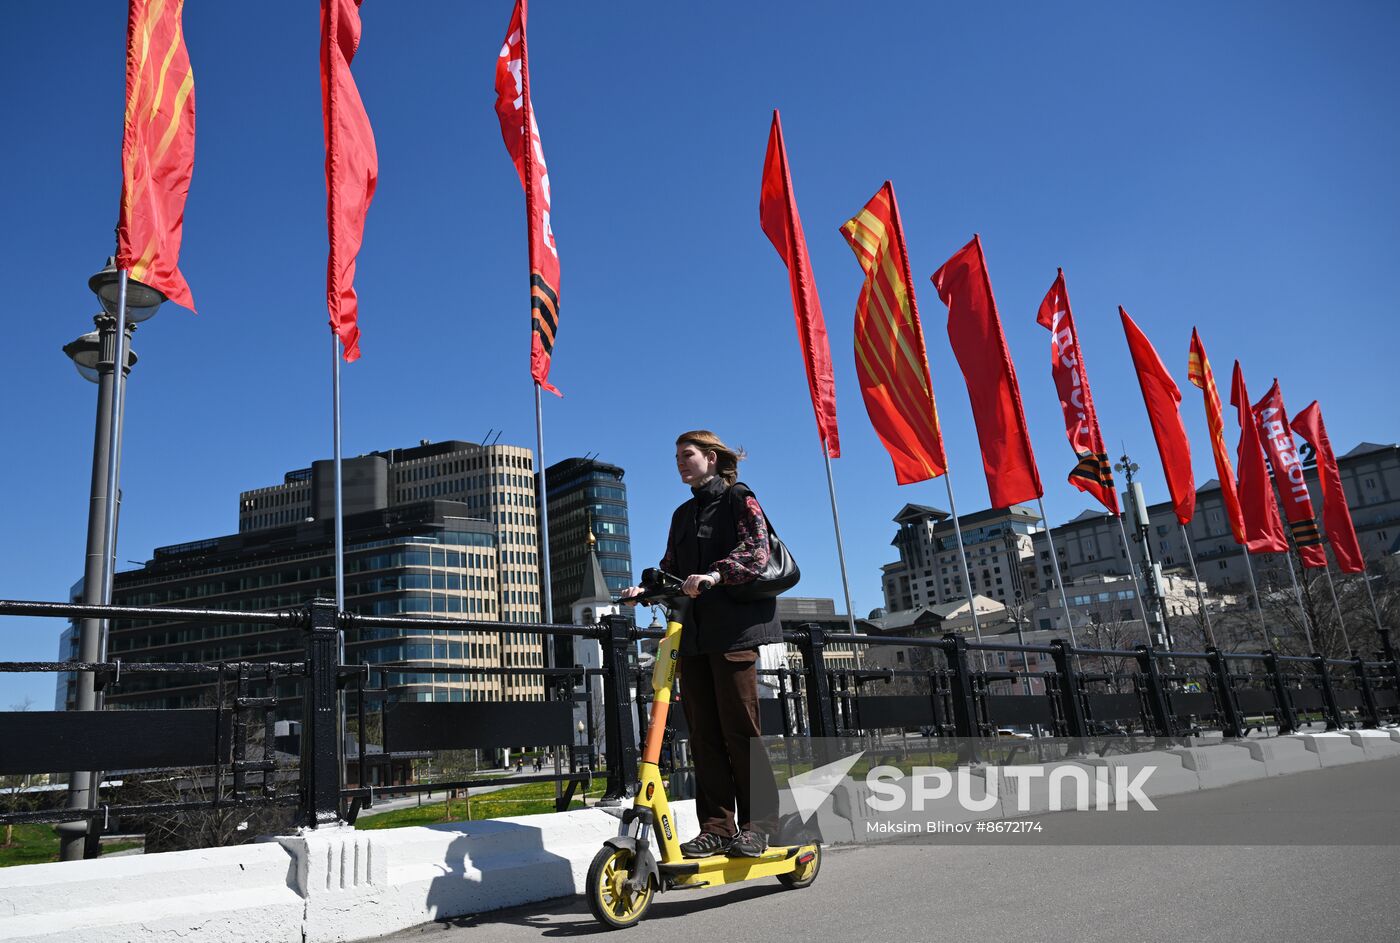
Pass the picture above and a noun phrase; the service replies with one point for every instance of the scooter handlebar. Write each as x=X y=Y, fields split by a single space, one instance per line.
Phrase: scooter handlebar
x=658 y=586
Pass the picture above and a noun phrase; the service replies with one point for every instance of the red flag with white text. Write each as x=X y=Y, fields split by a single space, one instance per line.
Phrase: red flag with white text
x=1288 y=476
x=352 y=166
x=777 y=215
x=522 y=138
x=1336 y=515
x=974 y=327
x=1094 y=473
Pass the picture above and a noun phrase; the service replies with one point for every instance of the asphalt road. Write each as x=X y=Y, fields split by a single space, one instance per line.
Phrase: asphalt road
x=1074 y=891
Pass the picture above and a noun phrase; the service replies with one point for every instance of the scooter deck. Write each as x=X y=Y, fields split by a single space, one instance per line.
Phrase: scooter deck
x=724 y=869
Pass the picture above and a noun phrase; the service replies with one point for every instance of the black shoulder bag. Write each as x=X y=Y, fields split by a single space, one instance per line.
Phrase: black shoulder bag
x=780 y=575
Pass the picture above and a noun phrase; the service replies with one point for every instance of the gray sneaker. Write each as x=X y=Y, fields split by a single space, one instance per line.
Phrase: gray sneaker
x=704 y=845
x=748 y=844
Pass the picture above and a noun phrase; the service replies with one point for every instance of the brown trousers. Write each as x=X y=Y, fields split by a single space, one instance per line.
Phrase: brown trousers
x=719 y=693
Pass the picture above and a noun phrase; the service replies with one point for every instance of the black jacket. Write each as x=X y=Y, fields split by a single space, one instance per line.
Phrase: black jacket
x=704 y=530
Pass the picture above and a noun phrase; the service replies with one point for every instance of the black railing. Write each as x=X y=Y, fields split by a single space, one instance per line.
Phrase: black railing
x=1088 y=693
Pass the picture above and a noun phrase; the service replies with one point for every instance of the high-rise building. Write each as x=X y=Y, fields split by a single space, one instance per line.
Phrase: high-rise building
x=495 y=482
x=997 y=544
x=586 y=497
x=444 y=529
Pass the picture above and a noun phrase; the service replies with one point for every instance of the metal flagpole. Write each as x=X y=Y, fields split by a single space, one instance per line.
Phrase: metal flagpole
x=546 y=590
x=542 y=519
x=339 y=507
x=962 y=558
x=1298 y=594
x=339 y=542
x=1200 y=597
x=1059 y=581
x=1258 y=600
x=1137 y=586
x=840 y=549
x=1341 y=623
x=1365 y=578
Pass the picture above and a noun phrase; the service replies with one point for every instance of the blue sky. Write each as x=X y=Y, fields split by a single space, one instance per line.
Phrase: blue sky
x=1225 y=165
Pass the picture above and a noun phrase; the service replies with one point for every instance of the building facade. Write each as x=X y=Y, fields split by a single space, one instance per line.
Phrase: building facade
x=586 y=497
x=1091 y=544
x=998 y=544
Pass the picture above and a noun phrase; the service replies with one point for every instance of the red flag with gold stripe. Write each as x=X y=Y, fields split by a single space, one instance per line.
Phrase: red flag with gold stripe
x=891 y=361
x=157 y=148
x=1198 y=371
x=1293 y=496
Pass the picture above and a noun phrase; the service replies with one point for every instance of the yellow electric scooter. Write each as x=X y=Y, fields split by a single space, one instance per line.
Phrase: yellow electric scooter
x=627 y=873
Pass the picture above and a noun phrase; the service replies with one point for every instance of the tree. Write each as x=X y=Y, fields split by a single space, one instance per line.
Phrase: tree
x=15 y=790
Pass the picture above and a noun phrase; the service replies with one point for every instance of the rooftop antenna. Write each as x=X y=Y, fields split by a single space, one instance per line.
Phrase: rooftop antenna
x=498 y=435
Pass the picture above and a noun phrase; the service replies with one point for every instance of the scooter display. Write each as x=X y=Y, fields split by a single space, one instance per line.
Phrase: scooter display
x=645 y=859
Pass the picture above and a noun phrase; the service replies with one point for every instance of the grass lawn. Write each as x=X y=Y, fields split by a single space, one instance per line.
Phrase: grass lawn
x=38 y=844
x=530 y=799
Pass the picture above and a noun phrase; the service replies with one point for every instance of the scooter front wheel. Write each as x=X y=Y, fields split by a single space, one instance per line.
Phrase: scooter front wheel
x=614 y=904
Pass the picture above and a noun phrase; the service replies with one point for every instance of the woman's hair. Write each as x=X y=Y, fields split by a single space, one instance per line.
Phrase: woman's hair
x=727 y=467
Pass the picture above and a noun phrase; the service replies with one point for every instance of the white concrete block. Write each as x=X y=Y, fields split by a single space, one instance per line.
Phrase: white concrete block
x=1220 y=764
x=1033 y=796
x=1377 y=744
x=1282 y=755
x=215 y=894
x=1333 y=748
x=1169 y=775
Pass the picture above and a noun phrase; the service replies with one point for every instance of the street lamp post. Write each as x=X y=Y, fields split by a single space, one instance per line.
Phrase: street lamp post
x=125 y=303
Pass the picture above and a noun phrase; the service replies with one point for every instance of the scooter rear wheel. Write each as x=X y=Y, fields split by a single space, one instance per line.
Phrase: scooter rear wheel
x=615 y=906
x=803 y=874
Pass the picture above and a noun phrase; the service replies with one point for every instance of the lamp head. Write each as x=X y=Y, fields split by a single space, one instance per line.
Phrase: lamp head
x=142 y=300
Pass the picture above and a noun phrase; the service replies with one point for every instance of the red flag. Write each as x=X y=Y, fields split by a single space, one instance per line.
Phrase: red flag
x=980 y=346
x=891 y=361
x=1336 y=516
x=777 y=214
x=1163 y=400
x=157 y=148
x=1288 y=475
x=522 y=137
x=1200 y=374
x=1263 y=528
x=352 y=166
x=1094 y=473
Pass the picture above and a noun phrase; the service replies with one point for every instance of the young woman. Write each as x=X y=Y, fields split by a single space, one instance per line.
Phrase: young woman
x=719 y=538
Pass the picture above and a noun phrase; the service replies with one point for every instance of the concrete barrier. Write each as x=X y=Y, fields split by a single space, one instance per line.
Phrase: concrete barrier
x=1220 y=764
x=1169 y=777
x=1281 y=755
x=339 y=884
x=1378 y=744
x=1333 y=748
x=240 y=893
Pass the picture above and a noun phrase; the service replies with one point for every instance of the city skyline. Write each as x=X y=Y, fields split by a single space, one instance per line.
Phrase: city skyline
x=1249 y=195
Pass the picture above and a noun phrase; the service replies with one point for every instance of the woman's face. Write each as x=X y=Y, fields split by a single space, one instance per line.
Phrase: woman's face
x=694 y=464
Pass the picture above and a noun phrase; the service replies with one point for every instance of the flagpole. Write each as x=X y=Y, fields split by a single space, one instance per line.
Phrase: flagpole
x=1365 y=578
x=840 y=548
x=1298 y=595
x=1137 y=586
x=1258 y=600
x=339 y=494
x=1055 y=559
x=1341 y=623
x=1200 y=597
x=962 y=558
x=542 y=519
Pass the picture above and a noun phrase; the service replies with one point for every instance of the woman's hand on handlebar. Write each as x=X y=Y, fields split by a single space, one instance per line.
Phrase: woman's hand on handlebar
x=628 y=597
x=697 y=583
